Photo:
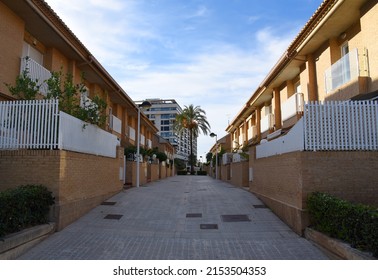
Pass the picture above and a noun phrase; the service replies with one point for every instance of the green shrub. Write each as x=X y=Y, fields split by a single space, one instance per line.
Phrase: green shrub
x=182 y=172
x=23 y=207
x=353 y=223
x=201 y=173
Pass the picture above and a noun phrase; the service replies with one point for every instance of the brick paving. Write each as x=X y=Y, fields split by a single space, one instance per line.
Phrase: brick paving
x=154 y=225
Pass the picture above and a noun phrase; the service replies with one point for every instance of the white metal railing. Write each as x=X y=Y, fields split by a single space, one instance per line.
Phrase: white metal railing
x=29 y=124
x=342 y=71
x=341 y=126
x=292 y=106
x=38 y=124
x=36 y=72
x=240 y=139
x=266 y=122
x=132 y=133
x=149 y=143
x=252 y=132
x=116 y=124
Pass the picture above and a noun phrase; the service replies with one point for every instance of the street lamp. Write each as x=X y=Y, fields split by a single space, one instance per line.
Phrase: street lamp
x=144 y=105
x=212 y=134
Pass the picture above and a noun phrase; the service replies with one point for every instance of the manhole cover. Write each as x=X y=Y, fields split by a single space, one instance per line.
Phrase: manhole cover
x=113 y=217
x=208 y=226
x=194 y=215
x=259 y=206
x=235 y=218
x=108 y=203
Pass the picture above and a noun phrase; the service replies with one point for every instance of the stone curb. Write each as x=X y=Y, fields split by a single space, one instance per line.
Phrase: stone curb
x=15 y=244
x=335 y=248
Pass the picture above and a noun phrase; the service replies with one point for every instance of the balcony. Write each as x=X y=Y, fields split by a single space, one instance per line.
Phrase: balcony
x=292 y=106
x=252 y=132
x=343 y=71
x=36 y=72
x=132 y=133
x=115 y=124
x=267 y=123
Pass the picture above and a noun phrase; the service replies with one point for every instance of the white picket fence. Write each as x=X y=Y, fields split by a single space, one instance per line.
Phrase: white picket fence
x=29 y=124
x=38 y=124
x=341 y=126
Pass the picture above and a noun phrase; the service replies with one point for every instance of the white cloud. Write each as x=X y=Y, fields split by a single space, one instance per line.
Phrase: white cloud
x=219 y=77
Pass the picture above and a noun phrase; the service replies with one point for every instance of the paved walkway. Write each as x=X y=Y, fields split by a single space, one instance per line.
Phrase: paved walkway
x=154 y=225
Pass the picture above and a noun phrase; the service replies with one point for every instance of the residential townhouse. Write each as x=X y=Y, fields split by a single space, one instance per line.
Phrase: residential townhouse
x=33 y=37
x=333 y=58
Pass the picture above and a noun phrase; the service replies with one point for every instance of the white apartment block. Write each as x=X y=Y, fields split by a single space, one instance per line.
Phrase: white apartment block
x=163 y=114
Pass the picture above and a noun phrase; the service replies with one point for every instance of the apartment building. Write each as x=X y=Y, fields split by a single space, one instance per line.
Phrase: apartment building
x=163 y=113
x=33 y=37
x=305 y=105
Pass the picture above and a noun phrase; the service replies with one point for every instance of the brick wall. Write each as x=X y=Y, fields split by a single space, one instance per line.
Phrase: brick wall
x=284 y=181
x=131 y=173
x=153 y=170
x=78 y=181
x=239 y=174
x=12 y=37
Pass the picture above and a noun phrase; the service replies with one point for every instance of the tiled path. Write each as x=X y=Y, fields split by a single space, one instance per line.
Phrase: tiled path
x=153 y=224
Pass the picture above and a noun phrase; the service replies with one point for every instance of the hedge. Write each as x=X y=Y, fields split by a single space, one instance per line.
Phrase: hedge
x=355 y=224
x=23 y=207
x=182 y=172
x=201 y=173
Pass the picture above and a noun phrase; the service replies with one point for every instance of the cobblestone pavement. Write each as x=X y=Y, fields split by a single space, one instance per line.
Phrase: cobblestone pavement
x=154 y=224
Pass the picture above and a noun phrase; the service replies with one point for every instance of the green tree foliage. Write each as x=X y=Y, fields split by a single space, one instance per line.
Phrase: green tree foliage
x=62 y=87
x=25 y=87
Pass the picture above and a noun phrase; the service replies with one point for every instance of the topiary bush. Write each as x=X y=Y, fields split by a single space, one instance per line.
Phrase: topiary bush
x=353 y=223
x=23 y=207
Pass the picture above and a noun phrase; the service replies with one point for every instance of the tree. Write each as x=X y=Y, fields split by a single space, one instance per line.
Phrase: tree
x=192 y=118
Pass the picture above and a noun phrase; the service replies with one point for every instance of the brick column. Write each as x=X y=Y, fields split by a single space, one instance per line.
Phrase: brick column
x=258 y=125
x=312 y=88
x=277 y=108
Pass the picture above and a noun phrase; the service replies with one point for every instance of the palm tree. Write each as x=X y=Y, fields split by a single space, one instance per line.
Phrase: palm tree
x=194 y=119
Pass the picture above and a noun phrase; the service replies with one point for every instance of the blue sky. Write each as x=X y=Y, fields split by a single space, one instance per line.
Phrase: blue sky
x=209 y=53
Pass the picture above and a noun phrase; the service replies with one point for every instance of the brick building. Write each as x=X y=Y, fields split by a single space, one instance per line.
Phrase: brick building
x=301 y=142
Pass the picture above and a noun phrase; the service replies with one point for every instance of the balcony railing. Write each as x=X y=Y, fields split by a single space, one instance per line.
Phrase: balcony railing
x=267 y=123
x=252 y=132
x=132 y=133
x=292 y=106
x=342 y=71
x=36 y=72
x=115 y=124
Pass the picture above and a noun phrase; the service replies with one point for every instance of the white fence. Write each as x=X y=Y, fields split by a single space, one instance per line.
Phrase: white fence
x=29 y=124
x=330 y=126
x=38 y=124
x=36 y=73
x=341 y=126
